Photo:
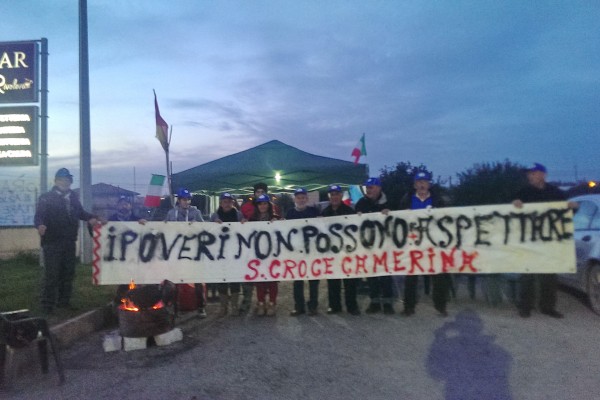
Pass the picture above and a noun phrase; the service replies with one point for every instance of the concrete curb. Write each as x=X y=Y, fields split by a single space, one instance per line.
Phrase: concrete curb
x=68 y=332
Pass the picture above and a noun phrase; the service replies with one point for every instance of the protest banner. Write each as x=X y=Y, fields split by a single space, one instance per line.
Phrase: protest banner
x=537 y=238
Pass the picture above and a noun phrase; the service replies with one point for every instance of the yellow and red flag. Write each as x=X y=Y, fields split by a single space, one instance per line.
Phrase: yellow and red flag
x=162 y=128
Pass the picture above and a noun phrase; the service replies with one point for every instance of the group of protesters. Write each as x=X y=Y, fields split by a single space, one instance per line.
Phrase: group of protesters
x=59 y=211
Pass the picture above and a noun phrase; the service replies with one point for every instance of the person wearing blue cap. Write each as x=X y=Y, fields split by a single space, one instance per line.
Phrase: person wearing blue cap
x=381 y=290
x=229 y=292
x=57 y=219
x=264 y=211
x=419 y=199
x=537 y=191
x=334 y=286
x=301 y=210
x=184 y=211
x=125 y=212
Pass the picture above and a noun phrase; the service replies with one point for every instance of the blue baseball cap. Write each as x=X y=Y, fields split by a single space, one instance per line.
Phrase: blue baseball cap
x=373 y=182
x=263 y=198
x=124 y=199
x=334 y=188
x=422 y=176
x=226 y=195
x=64 y=173
x=184 y=194
x=300 y=191
x=536 y=167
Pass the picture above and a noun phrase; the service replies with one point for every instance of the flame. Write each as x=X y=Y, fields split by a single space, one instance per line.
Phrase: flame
x=158 y=305
x=128 y=305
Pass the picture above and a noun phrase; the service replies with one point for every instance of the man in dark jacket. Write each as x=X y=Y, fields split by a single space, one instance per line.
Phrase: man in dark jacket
x=57 y=220
x=538 y=191
x=334 y=286
x=125 y=212
x=422 y=198
x=380 y=287
x=302 y=210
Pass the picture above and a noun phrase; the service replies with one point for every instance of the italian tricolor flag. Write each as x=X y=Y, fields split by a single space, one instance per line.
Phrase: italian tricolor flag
x=360 y=149
x=155 y=190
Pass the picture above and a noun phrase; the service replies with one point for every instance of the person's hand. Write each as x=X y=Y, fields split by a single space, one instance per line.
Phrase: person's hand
x=42 y=230
x=385 y=211
x=142 y=221
x=93 y=221
x=573 y=205
x=218 y=221
x=518 y=203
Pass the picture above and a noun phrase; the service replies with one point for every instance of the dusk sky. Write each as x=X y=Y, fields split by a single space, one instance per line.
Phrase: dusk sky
x=446 y=84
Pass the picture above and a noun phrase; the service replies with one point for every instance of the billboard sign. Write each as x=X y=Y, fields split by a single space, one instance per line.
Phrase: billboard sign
x=18 y=136
x=18 y=72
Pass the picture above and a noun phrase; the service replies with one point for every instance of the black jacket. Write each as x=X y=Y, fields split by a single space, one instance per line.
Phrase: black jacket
x=343 y=209
x=366 y=205
x=531 y=194
x=62 y=222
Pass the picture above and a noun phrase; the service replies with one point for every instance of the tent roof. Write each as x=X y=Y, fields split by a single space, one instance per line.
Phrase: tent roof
x=237 y=173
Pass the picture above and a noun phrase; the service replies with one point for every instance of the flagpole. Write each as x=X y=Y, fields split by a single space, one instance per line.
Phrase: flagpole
x=169 y=169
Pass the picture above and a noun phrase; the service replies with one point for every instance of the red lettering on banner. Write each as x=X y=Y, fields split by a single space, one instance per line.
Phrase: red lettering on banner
x=431 y=262
x=345 y=270
x=289 y=265
x=448 y=260
x=302 y=269
x=315 y=273
x=380 y=261
x=252 y=264
x=415 y=256
x=274 y=263
x=468 y=261
x=361 y=264
x=431 y=256
x=397 y=261
x=328 y=265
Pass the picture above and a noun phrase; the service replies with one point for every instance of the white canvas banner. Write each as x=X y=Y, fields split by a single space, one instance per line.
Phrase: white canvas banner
x=537 y=238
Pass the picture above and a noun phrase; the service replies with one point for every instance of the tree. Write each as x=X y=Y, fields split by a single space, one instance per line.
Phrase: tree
x=488 y=183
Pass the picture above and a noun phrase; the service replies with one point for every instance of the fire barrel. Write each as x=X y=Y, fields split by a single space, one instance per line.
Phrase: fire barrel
x=145 y=322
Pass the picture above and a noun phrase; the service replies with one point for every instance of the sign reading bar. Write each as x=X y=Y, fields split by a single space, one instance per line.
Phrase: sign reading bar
x=18 y=72
x=537 y=238
x=18 y=136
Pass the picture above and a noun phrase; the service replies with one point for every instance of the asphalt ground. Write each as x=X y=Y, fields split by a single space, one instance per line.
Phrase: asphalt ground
x=477 y=352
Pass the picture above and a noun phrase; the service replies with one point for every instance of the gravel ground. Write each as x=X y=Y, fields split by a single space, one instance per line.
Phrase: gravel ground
x=477 y=352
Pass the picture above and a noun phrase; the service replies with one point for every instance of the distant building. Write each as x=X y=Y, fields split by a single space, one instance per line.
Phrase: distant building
x=105 y=198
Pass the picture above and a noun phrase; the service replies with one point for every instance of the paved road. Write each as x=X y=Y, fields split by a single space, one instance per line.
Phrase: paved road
x=478 y=352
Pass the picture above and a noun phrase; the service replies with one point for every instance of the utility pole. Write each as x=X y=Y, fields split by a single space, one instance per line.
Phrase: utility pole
x=85 y=161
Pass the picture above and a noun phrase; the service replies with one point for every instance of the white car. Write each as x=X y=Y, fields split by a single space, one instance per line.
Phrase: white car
x=586 y=223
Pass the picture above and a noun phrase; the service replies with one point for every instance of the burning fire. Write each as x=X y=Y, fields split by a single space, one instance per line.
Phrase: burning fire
x=128 y=305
